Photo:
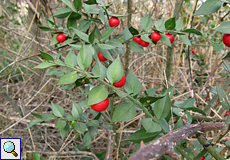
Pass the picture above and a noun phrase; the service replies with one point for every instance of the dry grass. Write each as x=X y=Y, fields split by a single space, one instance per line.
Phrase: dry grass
x=29 y=87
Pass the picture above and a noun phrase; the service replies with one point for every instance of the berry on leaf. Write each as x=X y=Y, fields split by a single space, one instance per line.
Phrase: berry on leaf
x=101 y=106
x=101 y=57
x=202 y=158
x=144 y=44
x=226 y=39
x=121 y=82
x=60 y=37
x=193 y=51
x=155 y=36
x=171 y=37
x=137 y=39
x=55 y=65
x=227 y=113
x=114 y=21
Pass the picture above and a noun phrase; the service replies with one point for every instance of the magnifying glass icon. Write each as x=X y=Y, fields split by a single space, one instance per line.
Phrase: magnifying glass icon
x=9 y=147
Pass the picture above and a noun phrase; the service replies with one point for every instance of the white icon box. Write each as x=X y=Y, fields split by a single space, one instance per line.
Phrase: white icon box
x=10 y=148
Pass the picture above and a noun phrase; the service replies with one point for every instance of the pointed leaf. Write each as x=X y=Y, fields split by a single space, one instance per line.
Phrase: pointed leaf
x=106 y=46
x=209 y=7
x=134 y=46
x=77 y=4
x=150 y=126
x=97 y=95
x=62 y=13
x=132 y=85
x=44 y=65
x=76 y=110
x=147 y=22
x=33 y=122
x=170 y=24
x=80 y=127
x=165 y=40
x=92 y=36
x=57 y=110
x=107 y=33
x=191 y=30
x=68 y=78
x=84 y=57
x=71 y=59
x=68 y=3
x=115 y=71
x=223 y=27
x=124 y=112
x=185 y=40
x=162 y=107
x=82 y=35
x=223 y=97
x=160 y=25
x=99 y=70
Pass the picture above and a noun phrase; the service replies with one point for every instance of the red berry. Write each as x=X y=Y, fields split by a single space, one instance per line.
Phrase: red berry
x=171 y=38
x=144 y=44
x=137 y=39
x=101 y=57
x=99 y=107
x=202 y=158
x=61 y=37
x=114 y=21
x=227 y=113
x=226 y=39
x=55 y=65
x=193 y=51
x=156 y=36
x=121 y=82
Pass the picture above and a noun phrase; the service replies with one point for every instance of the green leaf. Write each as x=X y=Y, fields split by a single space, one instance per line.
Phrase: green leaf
x=52 y=71
x=68 y=3
x=44 y=28
x=74 y=16
x=36 y=156
x=87 y=140
x=227 y=143
x=84 y=57
x=191 y=30
x=106 y=46
x=165 y=40
x=170 y=24
x=125 y=34
x=36 y=115
x=147 y=22
x=223 y=97
x=107 y=33
x=133 y=31
x=76 y=110
x=93 y=131
x=149 y=100
x=124 y=112
x=68 y=78
x=160 y=25
x=195 y=109
x=97 y=32
x=33 y=122
x=121 y=94
x=106 y=54
x=64 y=132
x=150 y=126
x=60 y=124
x=45 y=56
x=93 y=123
x=115 y=71
x=80 y=127
x=189 y=102
x=179 y=24
x=151 y=92
x=44 y=65
x=146 y=39
x=185 y=40
x=162 y=107
x=218 y=47
x=226 y=66
x=227 y=57
x=132 y=84
x=102 y=16
x=82 y=35
x=71 y=59
x=97 y=94
x=58 y=111
x=59 y=62
x=141 y=135
x=77 y=4
x=92 y=36
x=84 y=25
x=209 y=7
x=71 y=24
x=99 y=70
x=115 y=43
x=164 y=125
x=90 y=2
x=48 y=117
x=54 y=40
x=134 y=46
x=223 y=27
x=62 y=13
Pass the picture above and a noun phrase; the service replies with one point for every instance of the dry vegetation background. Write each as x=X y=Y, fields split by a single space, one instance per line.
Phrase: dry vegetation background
x=20 y=40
